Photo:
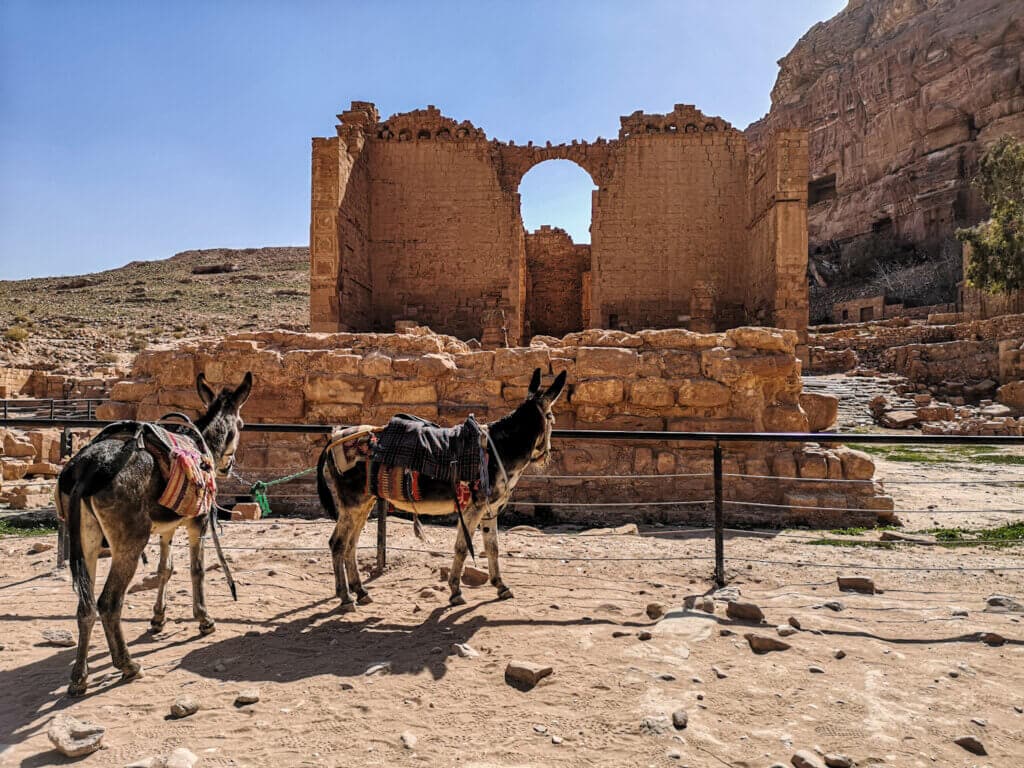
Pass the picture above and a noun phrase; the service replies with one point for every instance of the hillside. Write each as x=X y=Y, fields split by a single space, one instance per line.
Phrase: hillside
x=90 y=322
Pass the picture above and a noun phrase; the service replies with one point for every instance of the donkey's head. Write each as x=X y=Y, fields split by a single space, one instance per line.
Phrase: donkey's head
x=221 y=424
x=544 y=402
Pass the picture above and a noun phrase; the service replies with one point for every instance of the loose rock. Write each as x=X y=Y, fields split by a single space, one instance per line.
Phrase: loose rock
x=744 y=612
x=474 y=577
x=835 y=760
x=464 y=651
x=860 y=584
x=680 y=719
x=785 y=630
x=655 y=610
x=765 y=644
x=179 y=758
x=40 y=546
x=1004 y=603
x=971 y=744
x=524 y=675
x=184 y=706
x=75 y=738
x=832 y=605
x=991 y=638
x=839 y=653
x=645 y=635
x=806 y=759
x=58 y=637
x=719 y=673
x=655 y=725
x=408 y=740
x=247 y=696
x=380 y=668
x=794 y=622
x=816 y=670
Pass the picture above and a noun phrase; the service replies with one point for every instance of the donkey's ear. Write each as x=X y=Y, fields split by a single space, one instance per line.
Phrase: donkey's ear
x=241 y=394
x=534 y=383
x=555 y=389
x=205 y=393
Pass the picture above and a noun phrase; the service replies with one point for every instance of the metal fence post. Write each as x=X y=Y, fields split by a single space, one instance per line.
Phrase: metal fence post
x=382 y=534
x=719 y=520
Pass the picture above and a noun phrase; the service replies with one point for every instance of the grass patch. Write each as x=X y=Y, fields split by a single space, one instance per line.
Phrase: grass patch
x=827 y=542
x=947 y=454
x=1000 y=536
x=16 y=333
x=8 y=528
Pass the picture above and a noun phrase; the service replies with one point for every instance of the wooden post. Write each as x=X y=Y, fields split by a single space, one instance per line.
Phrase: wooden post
x=382 y=534
x=62 y=532
x=719 y=520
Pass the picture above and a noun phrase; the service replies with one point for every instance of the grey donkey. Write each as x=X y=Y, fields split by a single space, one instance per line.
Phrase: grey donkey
x=109 y=490
x=516 y=442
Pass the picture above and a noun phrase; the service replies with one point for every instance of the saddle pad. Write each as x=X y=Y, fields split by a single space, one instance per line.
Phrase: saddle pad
x=397 y=485
x=420 y=445
x=351 y=445
x=191 y=484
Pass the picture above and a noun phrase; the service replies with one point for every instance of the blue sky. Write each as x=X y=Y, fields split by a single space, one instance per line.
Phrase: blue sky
x=134 y=130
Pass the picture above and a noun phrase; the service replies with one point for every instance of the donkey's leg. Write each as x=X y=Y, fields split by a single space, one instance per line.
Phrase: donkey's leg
x=92 y=542
x=125 y=552
x=196 y=527
x=490 y=529
x=472 y=517
x=338 y=542
x=351 y=546
x=163 y=572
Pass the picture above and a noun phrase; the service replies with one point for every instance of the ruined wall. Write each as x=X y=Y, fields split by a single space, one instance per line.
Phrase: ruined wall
x=417 y=218
x=555 y=266
x=977 y=304
x=745 y=379
x=899 y=98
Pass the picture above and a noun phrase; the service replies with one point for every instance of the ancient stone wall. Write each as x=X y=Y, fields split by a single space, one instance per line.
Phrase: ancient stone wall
x=555 y=266
x=747 y=379
x=900 y=97
x=417 y=218
x=977 y=304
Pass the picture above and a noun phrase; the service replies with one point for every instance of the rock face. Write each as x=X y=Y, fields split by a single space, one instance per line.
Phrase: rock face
x=900 y=98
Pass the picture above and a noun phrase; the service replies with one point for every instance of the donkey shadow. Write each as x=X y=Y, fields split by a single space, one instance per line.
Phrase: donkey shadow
x=347 y=647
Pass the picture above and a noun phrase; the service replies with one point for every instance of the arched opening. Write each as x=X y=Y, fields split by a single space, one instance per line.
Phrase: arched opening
x=555 y=199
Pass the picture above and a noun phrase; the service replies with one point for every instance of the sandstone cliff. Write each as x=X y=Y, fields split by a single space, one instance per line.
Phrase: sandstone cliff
x=900 y=98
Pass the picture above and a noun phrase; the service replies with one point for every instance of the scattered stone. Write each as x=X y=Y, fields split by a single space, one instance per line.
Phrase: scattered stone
x=655 y=610
x=835 y=760
x=556 y=740
x=75 y=738
x=907 y=537
x=151 y=581
x=59 y=637
x=971 y=744
x=474 y=577
x=184 y=706
x=655 y=725
x=706 y=604
x=40 y=546
x=1004 y=603
x=719 y=673
x=959 y=613
x=726 y=632
x=645 y=635
x=765 y=644
x=346 y=686
x=744 y=612
x=179 y=758
x=860 y=584
x=380 y=668
x=408 y=740
x=674 y=754
x=524 y=675
x=979 y=722
x=464 y=651
x=680 y=719
x=992 y=638
x=832 y=605
x=794 y=622
x=247 y=696
x=839 y=653
x=620 y=633
x=1019 y=709
x=668 y=677
x=816 y=669
x=785 y=630
x=806 y=759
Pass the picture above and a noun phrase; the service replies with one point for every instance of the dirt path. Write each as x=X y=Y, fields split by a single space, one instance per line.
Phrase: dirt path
x=913 y=676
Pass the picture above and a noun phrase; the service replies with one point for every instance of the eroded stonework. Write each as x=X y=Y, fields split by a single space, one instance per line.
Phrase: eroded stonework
x=417 y=217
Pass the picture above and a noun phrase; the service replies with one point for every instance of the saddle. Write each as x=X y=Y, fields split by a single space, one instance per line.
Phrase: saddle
x=191 y=487
x=444 y=453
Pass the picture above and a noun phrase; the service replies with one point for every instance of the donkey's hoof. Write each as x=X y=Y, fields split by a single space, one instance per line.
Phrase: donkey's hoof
x=207 y=627
x=457 y=600
x=130 y=671
x=505 y=594
x=156 y=626
x=77 y=689
x=348 y=607
x=365 y=599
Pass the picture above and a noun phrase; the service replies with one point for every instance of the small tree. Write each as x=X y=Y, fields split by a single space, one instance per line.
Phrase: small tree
x=997 y=245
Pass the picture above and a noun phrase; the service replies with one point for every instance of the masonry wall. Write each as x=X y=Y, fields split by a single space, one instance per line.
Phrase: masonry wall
x=747 y=379
x=555 y=266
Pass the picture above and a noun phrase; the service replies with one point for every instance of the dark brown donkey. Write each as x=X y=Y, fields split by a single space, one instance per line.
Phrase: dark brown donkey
x=110 y=490
x=521 y=439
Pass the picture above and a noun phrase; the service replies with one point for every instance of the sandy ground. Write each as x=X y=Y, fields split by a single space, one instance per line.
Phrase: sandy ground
x=912 y=679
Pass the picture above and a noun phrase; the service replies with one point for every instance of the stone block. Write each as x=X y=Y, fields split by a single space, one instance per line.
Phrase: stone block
x=702 y=393
x=813 y=464
x=521 y=362
x=397 y=391
x=767 y=339
x=18 y=445
x=652 y=393
x=330 y=388
x=822 y=410
x=132 y=390
x=784 y=418
x=429 y=366
x=680 y=338
x=375 y=364
x=606 y=361
x=599 y=392
x=857 y=465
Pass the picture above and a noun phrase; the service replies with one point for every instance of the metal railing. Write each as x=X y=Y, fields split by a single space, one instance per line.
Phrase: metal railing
x=715 y=439
x=83 y=409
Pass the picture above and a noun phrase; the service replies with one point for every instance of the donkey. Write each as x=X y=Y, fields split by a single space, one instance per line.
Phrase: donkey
x=109 y=490
x=521 y=439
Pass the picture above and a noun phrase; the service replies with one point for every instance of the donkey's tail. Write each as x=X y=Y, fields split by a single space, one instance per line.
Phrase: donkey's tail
x=79 y=572
x=322 y=489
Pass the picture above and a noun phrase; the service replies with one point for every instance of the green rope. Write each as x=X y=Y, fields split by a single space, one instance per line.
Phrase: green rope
x=260 y=487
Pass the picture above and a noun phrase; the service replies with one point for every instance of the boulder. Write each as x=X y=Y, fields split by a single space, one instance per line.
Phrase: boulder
x=524 y=675
x=822 y=410
x=765 y=643
x=75 y=738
